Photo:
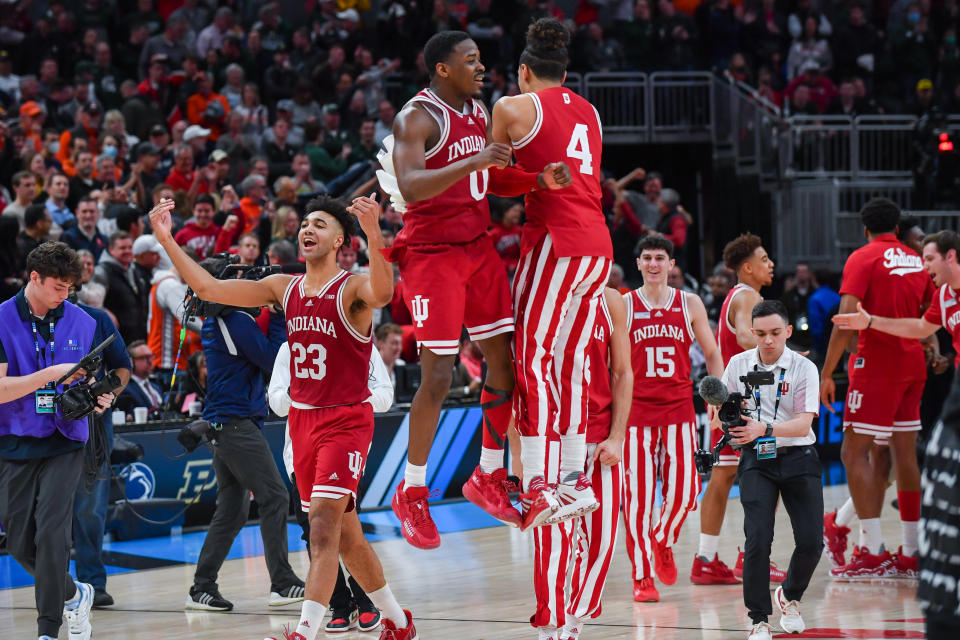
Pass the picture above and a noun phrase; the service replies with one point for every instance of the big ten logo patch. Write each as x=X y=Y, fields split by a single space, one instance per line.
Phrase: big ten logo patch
x=420 y=308
x=854 y=400
x=355 y=463
x=198 y=476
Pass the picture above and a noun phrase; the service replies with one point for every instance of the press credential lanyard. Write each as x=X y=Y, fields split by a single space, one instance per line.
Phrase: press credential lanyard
x=776 y=406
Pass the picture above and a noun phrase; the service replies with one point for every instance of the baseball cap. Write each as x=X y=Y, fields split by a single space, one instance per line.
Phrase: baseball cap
x=157 y=130
x=195 y=131
x=4 y=55
x=30 y=108
x=92 y=108
x=146 y=243
x=159 y=57
x=925 y=85
x=218 y=155
x=147 y=149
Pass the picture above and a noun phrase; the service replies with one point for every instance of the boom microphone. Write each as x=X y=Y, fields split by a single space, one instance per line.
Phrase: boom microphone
x=713 y=391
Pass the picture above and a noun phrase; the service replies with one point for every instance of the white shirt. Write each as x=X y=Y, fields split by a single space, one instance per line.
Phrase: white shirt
x=801 y=389
x=381 y=393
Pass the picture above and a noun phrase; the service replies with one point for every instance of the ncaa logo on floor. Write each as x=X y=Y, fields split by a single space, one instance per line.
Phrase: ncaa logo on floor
x=140 y=483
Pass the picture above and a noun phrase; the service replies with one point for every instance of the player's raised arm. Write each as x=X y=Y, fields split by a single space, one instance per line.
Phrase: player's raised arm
x=704 y=336
x=236 y=293
x=917 y=328
x=377 y=289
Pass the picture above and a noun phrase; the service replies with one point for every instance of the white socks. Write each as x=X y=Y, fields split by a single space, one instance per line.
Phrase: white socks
x=389 y=608
x=708 y=546
x=533 y=456
x=311 y=619
x=573 y=456
x=415 y=475
x=547 y=633
x=490 y=459
x=845 y=513
x=911 y=533
x=870 y=536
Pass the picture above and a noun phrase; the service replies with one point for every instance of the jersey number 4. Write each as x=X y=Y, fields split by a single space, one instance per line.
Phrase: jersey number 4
x=579 y=149
x=316 y=369
x=660 y=362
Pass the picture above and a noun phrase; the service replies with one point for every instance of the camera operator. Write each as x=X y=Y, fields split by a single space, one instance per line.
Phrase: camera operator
x=42 y=452
x=238 y=357
x=777 y=460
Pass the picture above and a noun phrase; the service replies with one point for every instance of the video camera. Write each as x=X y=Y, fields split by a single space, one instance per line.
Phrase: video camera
x=193 y=434
x=225 y=266
x=80 y=400
x=730 y=411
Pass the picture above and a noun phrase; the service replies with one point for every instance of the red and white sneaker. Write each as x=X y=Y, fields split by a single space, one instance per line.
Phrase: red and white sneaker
x=287 y=635
x=835 y=539
x=663 y=564
x=416 y=525
x=390 y=631
x=489 y=491
x=711 y=571
x=776 y=575
x=645 y=591
x=539 y=503
x=575 y=500
x=905 y=566
x=866 y=566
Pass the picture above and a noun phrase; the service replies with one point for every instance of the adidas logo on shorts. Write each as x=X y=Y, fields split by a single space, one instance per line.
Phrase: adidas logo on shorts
x=334 y=476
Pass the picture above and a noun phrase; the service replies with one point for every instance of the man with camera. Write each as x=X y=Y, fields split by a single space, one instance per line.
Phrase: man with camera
x=42 y=450
x=777 y=461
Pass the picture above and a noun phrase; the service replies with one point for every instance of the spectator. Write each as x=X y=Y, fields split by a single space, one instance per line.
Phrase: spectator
x=649 y=212
x=255 y=115
x=845 y=103
x=720 y=31
x=286 y=225
x=796 y=296
x=823 y=303
x=279 y=154
x=146 y=257
x=804 y=9
x=212 y=36
x=9 y=82
x=923 y=99
x=673 y=224
x=719 y=285
x=232 y=90
x=389 y=339
x=303 y=182
x=366 y=148
x=184 y=177
x=166 y=43
x=207 y=109
x=280 y=78
x=87 y=128
x=25 y=190
x=304 y=57
x=85 y=234
x=58 y=189
x=199 y=234
x=334 y=136
x=281 y=252
x=856 y=44
x=126 y=291
x=89 y=292
x=254 y=189
x=36 y=227
x=83 y=182
x=809 y=47
x=640 y=35
x=601 y=53
x=384 y=126
x=347 y=257
x=141 y=391
x=249 y=249
x=325 y=166
x=915 y=49
x=765 y=31
x=821 y=89
x=801 y=104
x=167 y=296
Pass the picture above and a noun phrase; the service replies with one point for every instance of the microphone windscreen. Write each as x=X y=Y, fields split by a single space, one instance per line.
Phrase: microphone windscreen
x=713 y=391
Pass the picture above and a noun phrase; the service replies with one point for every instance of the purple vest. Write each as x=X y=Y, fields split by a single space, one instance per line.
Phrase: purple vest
x=73 y=339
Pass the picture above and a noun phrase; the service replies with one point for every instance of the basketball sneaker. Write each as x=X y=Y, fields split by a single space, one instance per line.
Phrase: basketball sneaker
x=416 y=525
x=866 y=566
x=390 y=631
x=368 y=620
x=645 y=591
x=776 y=575
x=539 y=503
x=77 y=613
x=835 y=539
x=713 y=571
x=760 y=631
x=489 y=491
x=575 y=500
x=342 y=620
x=293 y=593
x=287 y=635
x=790 y=620
x=905 y=566
x=663 y=563
x=206 y=599
x=571 y=630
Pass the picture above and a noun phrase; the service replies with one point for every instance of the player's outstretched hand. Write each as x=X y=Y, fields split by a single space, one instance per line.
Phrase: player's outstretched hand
x=496 y=154
x=368 y=213
x=556 y=175
x=160 y=219
x=854 y=321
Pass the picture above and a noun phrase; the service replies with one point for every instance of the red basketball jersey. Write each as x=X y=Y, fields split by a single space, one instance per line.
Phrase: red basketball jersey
x=660 y=339
x=567 y=129
x=945 y=311
x=726 y=335
x=461 y=213
x=329 y=359
x=597 y=373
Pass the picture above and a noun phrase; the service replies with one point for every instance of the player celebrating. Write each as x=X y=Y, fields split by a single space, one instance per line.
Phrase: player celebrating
x=887 y=376
x=452 y=273
x=566 y=254
x=661 y=440
x=329 y=318
x=754 y=269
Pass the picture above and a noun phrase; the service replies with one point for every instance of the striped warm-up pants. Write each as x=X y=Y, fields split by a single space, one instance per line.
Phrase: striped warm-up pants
x=649 y=454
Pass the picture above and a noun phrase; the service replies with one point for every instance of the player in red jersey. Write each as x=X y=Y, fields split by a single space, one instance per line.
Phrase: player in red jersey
x=886 y=383
x=588 y=541
x=661 y=439
x=329 y=319
x=754 y=268
x=565 y=261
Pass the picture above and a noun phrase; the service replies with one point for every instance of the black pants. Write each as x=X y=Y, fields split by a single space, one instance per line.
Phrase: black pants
x=794 y=476
x=36 y=504
x=243 y=463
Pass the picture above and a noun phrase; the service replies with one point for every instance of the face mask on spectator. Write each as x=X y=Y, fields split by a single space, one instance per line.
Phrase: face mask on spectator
x=110 y=151
x=53 y=147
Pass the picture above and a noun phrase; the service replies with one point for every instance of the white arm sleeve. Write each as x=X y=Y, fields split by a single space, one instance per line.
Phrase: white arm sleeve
x=171 y=295
x=277 y=392
x=381 y=387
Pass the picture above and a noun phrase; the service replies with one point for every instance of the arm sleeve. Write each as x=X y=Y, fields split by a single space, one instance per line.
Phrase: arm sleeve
x=277 y=391
x=381 y=387
x=511 y=181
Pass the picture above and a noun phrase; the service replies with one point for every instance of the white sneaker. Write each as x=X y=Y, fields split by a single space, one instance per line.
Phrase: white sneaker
x=790 y=621
x=78 y=613
x=547 y=633
x=571 y=630
x=760 y=631
x=575 y=500
x=293 y=593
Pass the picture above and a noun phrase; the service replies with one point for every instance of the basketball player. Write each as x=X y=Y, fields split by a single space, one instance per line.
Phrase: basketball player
x=746 y=256
x=452 y=273
x=565 y=261
x=661 y=440
x=610 y=380
x=329 y=317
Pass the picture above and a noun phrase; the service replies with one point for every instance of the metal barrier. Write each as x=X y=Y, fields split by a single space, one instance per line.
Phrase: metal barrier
x=621 y=101
x=679 y=106
x=804 y=229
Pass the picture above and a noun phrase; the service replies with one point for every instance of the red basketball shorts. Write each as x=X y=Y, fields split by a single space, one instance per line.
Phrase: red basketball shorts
x=449 y=286
x=880 y=406
x=330 y=447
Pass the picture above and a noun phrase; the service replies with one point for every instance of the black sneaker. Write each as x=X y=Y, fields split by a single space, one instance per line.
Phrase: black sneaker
x=102 y=599
x=369 y=620
x=207 y=599
x=341 y=620
x=293 y=593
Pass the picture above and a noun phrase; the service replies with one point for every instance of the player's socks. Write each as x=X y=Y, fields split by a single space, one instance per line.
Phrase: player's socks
x=845 y=513
x=389 y=608
x=871 y=538
x=909 y=502
x=490 y=459
x=533 y=455
x=497 y=410
x=573 y=456
x=547 y=633
x=311 y=619
x=708 y=546
x=415 y=475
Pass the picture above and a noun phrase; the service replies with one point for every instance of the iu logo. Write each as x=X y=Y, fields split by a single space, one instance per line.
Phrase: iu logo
x=854 y=400
x=355 y=463
x=420 y=309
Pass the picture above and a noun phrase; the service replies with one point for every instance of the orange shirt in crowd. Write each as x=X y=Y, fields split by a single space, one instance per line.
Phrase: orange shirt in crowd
x=197 y=104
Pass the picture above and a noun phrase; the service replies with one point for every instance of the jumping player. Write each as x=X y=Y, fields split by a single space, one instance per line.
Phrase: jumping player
x=565 y=261
x=452 y=273
x=329 y=318
x=887 y=376
x=661 y=439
